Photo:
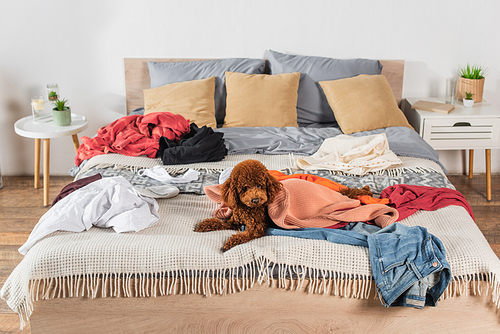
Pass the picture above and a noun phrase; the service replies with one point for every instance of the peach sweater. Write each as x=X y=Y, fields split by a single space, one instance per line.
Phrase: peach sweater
x=305 y=204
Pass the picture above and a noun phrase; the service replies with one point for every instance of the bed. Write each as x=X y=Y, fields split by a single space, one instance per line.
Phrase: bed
x=167 y=278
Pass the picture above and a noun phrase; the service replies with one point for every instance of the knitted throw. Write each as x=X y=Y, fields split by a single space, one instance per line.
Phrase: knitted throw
x=169 y=258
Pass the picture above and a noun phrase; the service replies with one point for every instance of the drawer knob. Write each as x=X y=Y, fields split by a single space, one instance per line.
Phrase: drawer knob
x=462 y=124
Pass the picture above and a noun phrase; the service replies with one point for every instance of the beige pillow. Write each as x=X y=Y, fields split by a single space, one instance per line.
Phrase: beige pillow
x=363 y=103
x=261 y=99
x=194 y=100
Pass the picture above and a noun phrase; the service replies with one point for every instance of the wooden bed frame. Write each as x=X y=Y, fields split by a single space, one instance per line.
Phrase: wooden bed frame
x=263 y=308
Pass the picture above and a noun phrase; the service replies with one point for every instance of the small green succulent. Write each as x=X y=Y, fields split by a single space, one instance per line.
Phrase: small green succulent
x=468 y=95
x=61 y=105
x=52 y=96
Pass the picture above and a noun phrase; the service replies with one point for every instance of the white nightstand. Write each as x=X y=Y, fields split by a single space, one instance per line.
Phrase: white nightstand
x=45 y=130
x=461 y=129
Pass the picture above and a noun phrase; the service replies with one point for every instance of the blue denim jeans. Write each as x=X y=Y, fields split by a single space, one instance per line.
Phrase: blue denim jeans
x=408 y=263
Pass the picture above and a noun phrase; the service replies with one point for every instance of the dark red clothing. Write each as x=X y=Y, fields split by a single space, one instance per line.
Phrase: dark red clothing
x=69 y=188
x=133 y=135
x=408 y=199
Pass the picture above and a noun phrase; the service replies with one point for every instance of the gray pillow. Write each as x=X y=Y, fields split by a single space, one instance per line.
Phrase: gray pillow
x=312 y=106
x=166 y=73
x=137 y=111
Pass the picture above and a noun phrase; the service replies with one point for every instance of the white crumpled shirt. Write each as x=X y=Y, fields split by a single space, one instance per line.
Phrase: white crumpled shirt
x=108 y=202
x=352 y=155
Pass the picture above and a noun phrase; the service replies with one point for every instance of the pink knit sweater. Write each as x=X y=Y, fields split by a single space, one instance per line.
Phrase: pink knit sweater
x=306 y=204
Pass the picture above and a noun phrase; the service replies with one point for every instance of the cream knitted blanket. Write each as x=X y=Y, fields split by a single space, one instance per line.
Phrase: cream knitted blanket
x=170 y=258
x=355 y=155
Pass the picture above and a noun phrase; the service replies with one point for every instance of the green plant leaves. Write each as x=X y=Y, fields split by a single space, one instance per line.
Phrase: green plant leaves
x=472 y=72
x=468 y=95
x=61 y=104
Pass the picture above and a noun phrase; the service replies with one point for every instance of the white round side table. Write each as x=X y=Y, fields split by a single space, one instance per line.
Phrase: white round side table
x=46 y=129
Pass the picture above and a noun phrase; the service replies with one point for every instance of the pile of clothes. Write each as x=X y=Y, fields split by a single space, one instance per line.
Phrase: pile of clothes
x=199 y=145
x=164 y=135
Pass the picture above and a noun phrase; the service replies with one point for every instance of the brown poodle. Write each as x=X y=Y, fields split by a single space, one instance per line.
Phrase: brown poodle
x=248 y=191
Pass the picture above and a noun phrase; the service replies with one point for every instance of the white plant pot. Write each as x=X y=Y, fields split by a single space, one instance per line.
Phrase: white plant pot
x=468 y=103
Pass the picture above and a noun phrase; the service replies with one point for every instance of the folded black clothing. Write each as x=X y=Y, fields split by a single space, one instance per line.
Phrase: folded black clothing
x=199 y=145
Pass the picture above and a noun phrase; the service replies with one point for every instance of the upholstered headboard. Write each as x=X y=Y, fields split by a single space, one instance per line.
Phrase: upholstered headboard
x=137 y=78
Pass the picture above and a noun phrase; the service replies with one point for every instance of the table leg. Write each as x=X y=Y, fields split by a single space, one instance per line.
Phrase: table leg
x=471 y=163
x=76 y=143
x=46 y=171
x=38 y=145
x=488 y=174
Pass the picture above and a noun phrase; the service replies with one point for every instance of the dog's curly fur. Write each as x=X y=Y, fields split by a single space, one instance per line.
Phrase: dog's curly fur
x=355 y=192
x=248 y=191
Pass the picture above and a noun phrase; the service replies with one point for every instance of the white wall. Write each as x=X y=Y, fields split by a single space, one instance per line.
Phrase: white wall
x=81 y=45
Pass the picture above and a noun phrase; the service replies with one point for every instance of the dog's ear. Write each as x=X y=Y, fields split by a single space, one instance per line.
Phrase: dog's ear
x=229 y=194
x=273 y=187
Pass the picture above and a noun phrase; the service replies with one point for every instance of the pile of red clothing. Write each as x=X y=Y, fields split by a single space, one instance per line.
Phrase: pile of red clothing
x=133 y=135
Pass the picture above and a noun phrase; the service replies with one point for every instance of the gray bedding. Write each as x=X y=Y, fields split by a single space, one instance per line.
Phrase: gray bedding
x=403 y=141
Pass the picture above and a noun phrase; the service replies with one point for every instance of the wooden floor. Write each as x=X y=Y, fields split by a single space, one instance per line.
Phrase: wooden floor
x=21 y=207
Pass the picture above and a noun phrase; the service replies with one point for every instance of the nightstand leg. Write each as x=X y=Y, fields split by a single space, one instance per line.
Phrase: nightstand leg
x=46 y=171
x=38 y=145
x=471 y=163
x=76 y=143
x=488 y=174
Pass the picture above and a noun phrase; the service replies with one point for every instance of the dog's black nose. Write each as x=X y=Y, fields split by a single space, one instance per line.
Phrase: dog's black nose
x=255 y=201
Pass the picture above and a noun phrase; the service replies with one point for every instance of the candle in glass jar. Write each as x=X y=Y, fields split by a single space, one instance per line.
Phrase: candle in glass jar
x=37 y=103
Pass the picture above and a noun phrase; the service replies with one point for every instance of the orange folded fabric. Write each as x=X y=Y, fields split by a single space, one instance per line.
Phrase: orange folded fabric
x=364 y=199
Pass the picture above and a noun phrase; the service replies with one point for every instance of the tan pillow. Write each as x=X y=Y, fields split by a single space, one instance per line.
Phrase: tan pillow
x=261 y=99
x=363 y=103
x=194 y=100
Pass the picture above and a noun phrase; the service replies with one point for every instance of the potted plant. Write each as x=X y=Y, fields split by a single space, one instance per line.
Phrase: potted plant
x=53 y=96
x=61 y=113
x=468 y=100
x=471 y=80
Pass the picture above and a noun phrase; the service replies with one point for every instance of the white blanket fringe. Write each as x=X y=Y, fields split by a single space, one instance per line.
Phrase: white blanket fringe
x=474 y=285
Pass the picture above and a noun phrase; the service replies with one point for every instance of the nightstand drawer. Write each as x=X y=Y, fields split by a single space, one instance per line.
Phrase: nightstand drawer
x=454 y=133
